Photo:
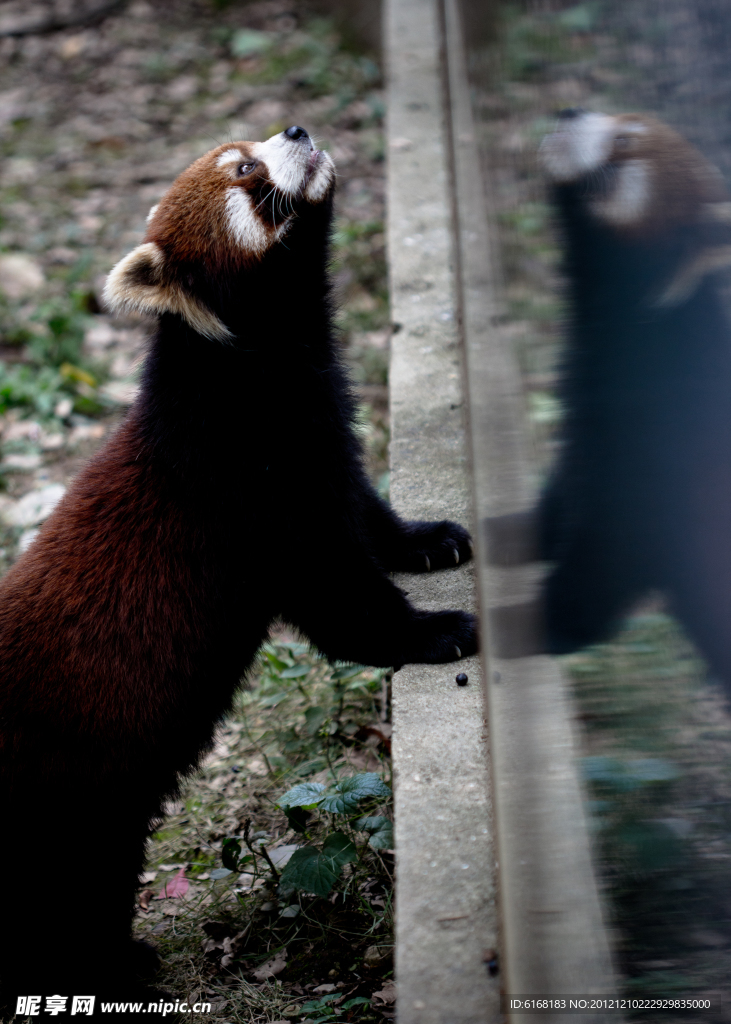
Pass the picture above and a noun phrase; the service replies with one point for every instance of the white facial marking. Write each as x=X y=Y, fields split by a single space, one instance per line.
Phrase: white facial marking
x=244 y=222
x=287 y=161
x=151 y=214
x=580 y=144
x=296 y=171
x=229 y=156
x=321 y=179
x=630 y=197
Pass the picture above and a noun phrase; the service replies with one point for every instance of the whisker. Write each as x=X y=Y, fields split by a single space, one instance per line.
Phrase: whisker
x=265 y=198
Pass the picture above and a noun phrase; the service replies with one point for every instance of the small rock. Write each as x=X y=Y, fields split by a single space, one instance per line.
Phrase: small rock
x=101 y=336
x=26 y=539
x=86 y=432
x=20 y=275
x=22 y=430
x=35 y=506
x=22 y=463
x=375 y=954
x=182 y=89
x=63 y=408
x=52 y=442
x=121 y=391
x=324 y=990
x=265 y=112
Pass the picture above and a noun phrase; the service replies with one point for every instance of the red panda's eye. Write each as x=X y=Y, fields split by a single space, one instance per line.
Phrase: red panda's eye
x=246 y=168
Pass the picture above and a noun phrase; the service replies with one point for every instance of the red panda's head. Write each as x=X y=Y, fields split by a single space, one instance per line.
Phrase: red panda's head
x=636 y=174
x=226 y=211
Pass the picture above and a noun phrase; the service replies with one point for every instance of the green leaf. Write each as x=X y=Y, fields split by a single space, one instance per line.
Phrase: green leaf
x=348 y=671
x=248 y=41
x=652 y=769
x=339 y=848
x=345 y=796
x=649 y=846
x=308 y=871
x=580 y=18
x=357 y=1001
x=230 y=853
x=318 y=1004
x=275 y=698
x=381 y=830
x=295 y=672
x=278 y=664
x=312 y=870
x=314 y=717
x=306 y=794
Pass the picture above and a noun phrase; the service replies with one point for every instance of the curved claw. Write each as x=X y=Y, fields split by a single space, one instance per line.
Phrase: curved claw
x=456 y=556
x=428 y=563
x=472 y=546
x=459 y=653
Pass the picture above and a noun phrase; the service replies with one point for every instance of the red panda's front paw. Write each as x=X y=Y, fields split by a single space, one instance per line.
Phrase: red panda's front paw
x=430 y=546
x=440 y=637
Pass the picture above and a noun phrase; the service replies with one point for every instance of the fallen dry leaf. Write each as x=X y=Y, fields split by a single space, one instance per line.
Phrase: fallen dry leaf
x=387 y=994
x=272 y=967
x=144 y=899
x=175 y=888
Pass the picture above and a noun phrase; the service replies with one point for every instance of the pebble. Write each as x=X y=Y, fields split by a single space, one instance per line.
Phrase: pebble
x=35 y=506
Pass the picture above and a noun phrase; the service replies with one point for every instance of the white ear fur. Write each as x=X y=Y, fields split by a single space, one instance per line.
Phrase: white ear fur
x=138 y=284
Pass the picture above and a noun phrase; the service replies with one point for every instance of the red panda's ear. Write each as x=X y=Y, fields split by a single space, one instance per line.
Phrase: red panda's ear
x=141 y=283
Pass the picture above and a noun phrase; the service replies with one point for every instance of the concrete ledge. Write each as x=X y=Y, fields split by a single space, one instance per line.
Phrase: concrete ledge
x=445 y=904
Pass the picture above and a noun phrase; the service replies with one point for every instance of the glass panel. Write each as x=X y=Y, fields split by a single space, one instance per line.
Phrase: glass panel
x=640 y=414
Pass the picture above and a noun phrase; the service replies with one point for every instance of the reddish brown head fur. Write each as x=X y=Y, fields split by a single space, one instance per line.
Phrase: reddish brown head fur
x=224 y=212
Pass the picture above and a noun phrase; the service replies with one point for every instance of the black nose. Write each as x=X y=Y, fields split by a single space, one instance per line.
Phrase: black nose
x=568 y=112
x=296 y=133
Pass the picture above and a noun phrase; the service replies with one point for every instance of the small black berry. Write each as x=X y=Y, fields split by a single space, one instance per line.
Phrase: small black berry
x=462 y=679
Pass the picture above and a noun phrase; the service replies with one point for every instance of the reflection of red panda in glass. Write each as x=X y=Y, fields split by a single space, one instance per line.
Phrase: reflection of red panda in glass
x=233 y=494
x=641 y=495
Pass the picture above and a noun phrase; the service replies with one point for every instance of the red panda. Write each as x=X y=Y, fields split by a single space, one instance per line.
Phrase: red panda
x=233 y=494
x=640 y=497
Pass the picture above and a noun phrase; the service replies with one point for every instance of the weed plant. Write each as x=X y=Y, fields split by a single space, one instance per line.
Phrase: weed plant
x=43 y=345
x=284 y=840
